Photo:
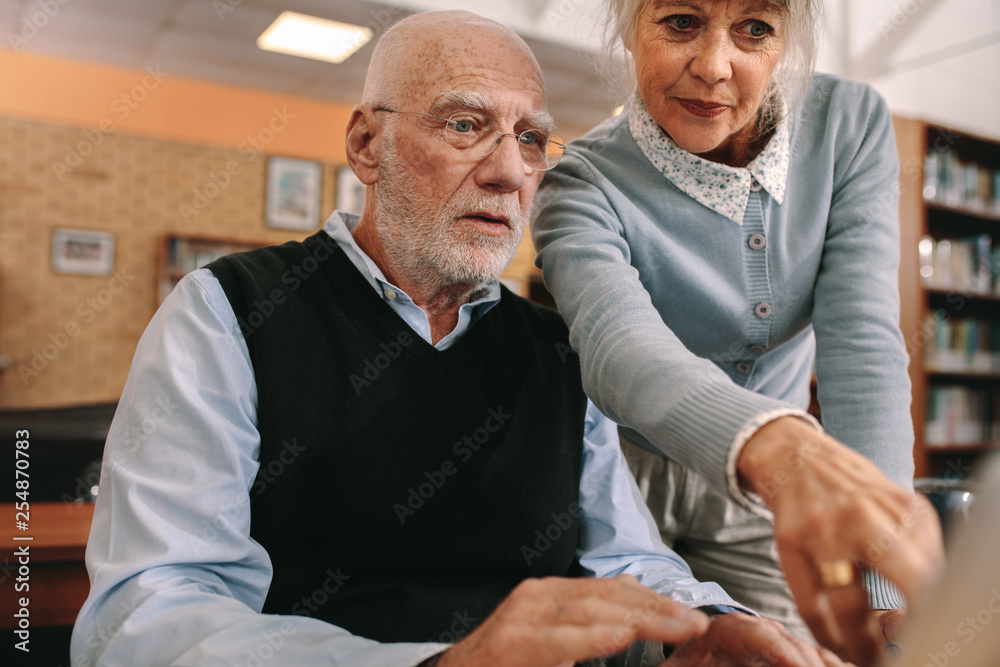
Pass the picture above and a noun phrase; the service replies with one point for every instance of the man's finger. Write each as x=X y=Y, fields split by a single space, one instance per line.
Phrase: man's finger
x=803 y=581
x=849 y=605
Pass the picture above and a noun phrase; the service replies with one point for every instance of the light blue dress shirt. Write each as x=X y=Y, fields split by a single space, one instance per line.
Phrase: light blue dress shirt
x=176 y=578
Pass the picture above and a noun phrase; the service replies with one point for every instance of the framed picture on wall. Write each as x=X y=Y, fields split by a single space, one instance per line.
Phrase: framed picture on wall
x=293 y=193
x=82 y=252
x=350 y=191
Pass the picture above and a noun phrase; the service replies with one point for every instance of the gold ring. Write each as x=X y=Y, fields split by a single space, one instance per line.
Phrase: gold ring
x=837 y=573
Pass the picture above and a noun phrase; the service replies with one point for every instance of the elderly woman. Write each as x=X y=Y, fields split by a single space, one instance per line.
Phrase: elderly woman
x=734 y=225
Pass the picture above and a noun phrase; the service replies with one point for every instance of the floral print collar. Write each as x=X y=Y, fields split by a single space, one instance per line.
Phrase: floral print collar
x=722 y=188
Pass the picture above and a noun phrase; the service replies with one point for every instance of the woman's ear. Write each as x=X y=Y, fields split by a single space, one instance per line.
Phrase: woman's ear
x=363 y=145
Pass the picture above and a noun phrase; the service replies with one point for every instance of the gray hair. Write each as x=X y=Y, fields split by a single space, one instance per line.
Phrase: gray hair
x=791 y=78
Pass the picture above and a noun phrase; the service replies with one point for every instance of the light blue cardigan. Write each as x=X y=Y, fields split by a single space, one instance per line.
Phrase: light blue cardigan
x=660 y=295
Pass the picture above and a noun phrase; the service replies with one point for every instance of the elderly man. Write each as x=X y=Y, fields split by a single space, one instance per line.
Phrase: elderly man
x=373 y=450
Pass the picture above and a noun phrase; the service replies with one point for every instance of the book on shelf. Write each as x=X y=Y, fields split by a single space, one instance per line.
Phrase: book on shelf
x=961 y=345
x=969 y=264
x=952 y=181
x=958 y=415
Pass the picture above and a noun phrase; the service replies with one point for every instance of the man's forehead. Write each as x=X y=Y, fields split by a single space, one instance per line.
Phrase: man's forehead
x=495 y=102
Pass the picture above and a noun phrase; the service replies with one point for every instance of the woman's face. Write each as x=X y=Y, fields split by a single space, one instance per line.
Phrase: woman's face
x=703 y=67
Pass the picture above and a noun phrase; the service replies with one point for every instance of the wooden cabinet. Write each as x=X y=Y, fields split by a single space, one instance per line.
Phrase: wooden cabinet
x=950 y=291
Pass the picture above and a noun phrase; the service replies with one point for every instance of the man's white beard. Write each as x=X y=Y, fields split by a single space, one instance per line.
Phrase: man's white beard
x=423 y=240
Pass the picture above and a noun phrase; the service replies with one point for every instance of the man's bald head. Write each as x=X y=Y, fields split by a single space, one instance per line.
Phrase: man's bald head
x=417 y=53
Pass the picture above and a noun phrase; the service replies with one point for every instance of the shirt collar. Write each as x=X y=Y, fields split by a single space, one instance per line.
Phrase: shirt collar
x=722 y=188
x=339 y=226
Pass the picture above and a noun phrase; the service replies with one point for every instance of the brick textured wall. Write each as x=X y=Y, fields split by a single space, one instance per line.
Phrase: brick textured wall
x=129 y=186
x=71 y=337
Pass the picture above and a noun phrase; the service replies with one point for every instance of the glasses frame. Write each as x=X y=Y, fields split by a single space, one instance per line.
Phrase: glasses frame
x=493 y=146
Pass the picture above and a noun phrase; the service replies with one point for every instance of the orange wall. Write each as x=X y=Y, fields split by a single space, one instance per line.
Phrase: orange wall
x=162 y=105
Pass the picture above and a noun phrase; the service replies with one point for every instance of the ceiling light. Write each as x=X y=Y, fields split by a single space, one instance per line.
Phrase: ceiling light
x=311 y=37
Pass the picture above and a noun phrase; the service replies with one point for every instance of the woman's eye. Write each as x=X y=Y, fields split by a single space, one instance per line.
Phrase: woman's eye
x=680 y=21
x=757 y=29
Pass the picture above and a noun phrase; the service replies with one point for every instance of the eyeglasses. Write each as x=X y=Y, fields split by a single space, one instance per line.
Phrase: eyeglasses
x=472 y=132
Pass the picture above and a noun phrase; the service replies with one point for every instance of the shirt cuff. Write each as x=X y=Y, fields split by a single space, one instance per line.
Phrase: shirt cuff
x=747 y=499
x=882 y=593
x=713 y=610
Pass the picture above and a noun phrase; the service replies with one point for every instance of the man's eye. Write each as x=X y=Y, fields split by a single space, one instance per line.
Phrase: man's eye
x=463 y=125
x=529 y=137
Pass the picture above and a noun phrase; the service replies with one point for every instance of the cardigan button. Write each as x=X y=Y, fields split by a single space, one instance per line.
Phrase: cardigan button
x=743 y=368
x=757 y=241
x=763 y=310
x=758 y=349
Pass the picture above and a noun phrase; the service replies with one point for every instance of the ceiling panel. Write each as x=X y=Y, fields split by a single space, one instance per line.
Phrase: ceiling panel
x=84 y=33
x=193 y=38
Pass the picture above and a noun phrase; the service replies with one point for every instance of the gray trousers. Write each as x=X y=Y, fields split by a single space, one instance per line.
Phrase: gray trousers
x=721 y=541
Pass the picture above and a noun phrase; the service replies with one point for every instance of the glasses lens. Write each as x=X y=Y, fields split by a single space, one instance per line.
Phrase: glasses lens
x=553 y=151
x=539 y=150
x=462 y=131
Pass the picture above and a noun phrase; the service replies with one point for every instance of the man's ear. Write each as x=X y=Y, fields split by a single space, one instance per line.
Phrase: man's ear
x=363 y=144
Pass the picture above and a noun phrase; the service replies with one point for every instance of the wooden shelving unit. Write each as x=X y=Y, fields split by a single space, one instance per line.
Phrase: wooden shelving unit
x=181 y=255
x=952 y=219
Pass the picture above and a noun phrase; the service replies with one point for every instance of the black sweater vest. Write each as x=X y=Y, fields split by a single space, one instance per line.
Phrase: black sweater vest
x=403 y=491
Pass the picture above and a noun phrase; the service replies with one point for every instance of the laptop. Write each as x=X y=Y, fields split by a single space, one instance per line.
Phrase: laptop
x=958 y=623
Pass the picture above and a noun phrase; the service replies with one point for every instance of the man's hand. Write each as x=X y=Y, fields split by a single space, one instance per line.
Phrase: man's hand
x=557 y=622
x=739 y=639
x=835 y=511
x=889 y=624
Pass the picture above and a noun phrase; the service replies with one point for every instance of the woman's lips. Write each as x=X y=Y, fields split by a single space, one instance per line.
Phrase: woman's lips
x=703 y=108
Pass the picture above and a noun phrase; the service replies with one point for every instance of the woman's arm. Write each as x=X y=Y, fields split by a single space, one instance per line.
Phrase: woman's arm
x=634 y=368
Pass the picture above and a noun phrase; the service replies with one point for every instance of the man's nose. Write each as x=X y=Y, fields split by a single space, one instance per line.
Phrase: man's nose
x=504 y=168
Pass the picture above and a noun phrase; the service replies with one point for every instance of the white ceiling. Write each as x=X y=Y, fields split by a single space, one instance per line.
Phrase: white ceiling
x=905 y=48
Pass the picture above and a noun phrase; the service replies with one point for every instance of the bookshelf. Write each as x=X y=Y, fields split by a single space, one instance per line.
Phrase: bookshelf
x=181 y=255
x=950 y=292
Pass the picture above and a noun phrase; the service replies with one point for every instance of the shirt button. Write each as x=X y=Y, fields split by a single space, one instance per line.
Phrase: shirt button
x=758 y=349
x=389 y=294
x=755 y=186
x=743 y=367
x=757 y=241
x=763 y=310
